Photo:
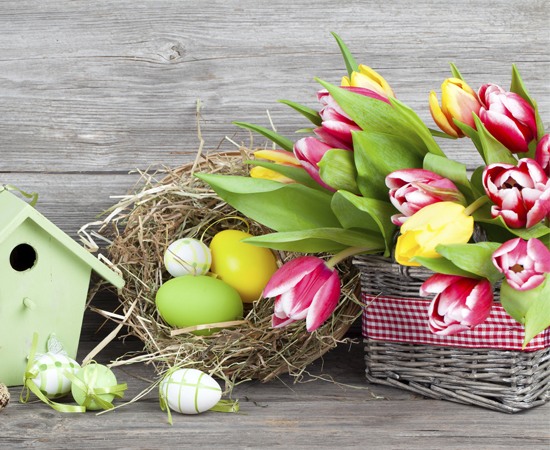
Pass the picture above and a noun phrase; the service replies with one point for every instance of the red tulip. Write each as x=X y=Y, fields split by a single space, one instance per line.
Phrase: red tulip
x=460 y=304
x=523 y=263
x=521 y=195
x=508 y=117
x=412 y=189
x=304 y=288
x=542 y=154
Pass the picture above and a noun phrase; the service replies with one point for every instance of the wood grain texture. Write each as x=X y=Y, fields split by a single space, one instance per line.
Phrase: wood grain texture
x=342 y=413
x=90 y=91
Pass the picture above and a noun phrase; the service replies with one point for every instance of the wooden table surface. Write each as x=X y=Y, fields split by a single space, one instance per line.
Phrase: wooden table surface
x=90 y=91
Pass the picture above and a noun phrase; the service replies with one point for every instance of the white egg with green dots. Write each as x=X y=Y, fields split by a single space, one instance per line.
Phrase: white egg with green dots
x=187 y=256
x=48 y=373
x=189 y=391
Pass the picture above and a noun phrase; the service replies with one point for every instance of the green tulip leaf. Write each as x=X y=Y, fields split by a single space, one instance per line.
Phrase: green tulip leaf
x=473 y=258
x=298 y=174
x=281 y=207
x=281 y=141
x=493 y=150
x=349 y=60
x=472 y=134
x=483 y=215
x=309 y=113
x=441 y=134
x=409 y=116
x=370 y=213
x=337 y=169
x=530 y=308
x=456 y=73
x=476 y=182
x=453 y=170
x=537 y=317
x=319 y=240
x=519 y=88
x=376 y=156
x=374 y=115
x=443 y=265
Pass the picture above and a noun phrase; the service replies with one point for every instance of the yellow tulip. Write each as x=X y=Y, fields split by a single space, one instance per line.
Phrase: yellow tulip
x=369 y=79
x=279 y=157
x=458 y=101
x=438 y=223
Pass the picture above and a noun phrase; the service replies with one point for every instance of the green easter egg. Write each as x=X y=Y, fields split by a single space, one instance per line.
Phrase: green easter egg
x=195 y=300
x=93 y=377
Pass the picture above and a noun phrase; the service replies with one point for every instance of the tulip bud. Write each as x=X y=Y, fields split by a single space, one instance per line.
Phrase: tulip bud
x=304 y=288
x=281 y=157
x=369 y=79
x=458 y=101
x=523 y=263
x=413 y=189
x=521 y=195
x=438 y=223
x=460 y=304
x=508 y=117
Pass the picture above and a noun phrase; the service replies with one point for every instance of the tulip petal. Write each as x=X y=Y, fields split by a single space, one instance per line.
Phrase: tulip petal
x=324 y=302
x=440 y=119
x=290 y=274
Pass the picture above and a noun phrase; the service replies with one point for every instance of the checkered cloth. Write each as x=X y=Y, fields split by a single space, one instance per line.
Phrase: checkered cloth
x=406 y=320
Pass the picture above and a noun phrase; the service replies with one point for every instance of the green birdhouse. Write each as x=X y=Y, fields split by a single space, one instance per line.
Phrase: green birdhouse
x=44 y=281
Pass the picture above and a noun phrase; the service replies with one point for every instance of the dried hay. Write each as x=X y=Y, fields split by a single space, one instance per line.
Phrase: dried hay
x=141 y=226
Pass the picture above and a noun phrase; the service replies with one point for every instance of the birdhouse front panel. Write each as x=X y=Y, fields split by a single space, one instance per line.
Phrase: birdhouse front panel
x=43 y=289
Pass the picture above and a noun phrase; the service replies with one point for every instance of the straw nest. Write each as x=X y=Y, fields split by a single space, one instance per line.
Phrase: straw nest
x=141 y=226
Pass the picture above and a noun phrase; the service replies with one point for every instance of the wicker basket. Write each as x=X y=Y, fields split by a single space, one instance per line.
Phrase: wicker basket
x=484 y=367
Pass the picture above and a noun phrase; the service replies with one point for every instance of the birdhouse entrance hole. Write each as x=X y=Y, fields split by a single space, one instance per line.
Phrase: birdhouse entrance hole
x=23 y=257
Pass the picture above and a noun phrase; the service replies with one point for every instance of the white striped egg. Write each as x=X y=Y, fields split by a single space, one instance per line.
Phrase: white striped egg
x=187 y=256
x=49 y=376
x=190 y=391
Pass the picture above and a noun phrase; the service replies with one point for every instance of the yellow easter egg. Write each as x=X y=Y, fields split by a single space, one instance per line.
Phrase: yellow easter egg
x=245 y=267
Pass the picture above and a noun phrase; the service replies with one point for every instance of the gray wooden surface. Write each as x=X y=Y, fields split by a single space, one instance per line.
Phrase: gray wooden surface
x=92 y=90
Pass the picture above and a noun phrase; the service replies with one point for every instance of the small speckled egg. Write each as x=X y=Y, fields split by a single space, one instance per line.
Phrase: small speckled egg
x=48 y=371
x=187 y=257
x=189 y=391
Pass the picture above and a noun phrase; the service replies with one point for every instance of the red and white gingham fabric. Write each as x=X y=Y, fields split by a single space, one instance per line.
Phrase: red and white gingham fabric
x=406 y=320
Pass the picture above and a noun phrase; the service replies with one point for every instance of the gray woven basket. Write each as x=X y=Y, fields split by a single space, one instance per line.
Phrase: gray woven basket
x=503 y=380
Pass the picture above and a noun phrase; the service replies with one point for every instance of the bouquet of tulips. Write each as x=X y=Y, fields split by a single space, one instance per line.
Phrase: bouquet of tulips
x=372 y=171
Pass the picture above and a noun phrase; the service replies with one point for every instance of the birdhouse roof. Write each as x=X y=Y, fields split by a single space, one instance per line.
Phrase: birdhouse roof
x=16 y=211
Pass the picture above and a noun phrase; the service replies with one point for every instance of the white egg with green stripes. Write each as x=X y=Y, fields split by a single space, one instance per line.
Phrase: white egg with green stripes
x=48 y=372
x=189 y=391
x=187 y=256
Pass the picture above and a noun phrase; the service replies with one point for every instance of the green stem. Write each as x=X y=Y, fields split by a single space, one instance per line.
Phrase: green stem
x=476 y=205
x=346 y=253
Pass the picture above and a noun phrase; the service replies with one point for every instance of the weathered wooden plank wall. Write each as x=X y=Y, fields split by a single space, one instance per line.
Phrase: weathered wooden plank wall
x=89 y=92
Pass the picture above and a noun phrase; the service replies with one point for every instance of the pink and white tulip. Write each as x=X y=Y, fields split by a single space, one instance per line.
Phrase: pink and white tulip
x=337 y=126
x=508 y=117
x=413 y=189
x=523 y=263
x=521 y=194
x=309 y=151
x=304 y=288
x=542 y=154
x=460 y=303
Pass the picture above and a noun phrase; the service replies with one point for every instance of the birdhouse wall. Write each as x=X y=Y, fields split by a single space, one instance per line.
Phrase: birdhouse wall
x=43 y=289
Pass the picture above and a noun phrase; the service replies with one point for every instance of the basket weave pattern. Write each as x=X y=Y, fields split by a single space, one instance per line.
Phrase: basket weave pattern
x=503 y=380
